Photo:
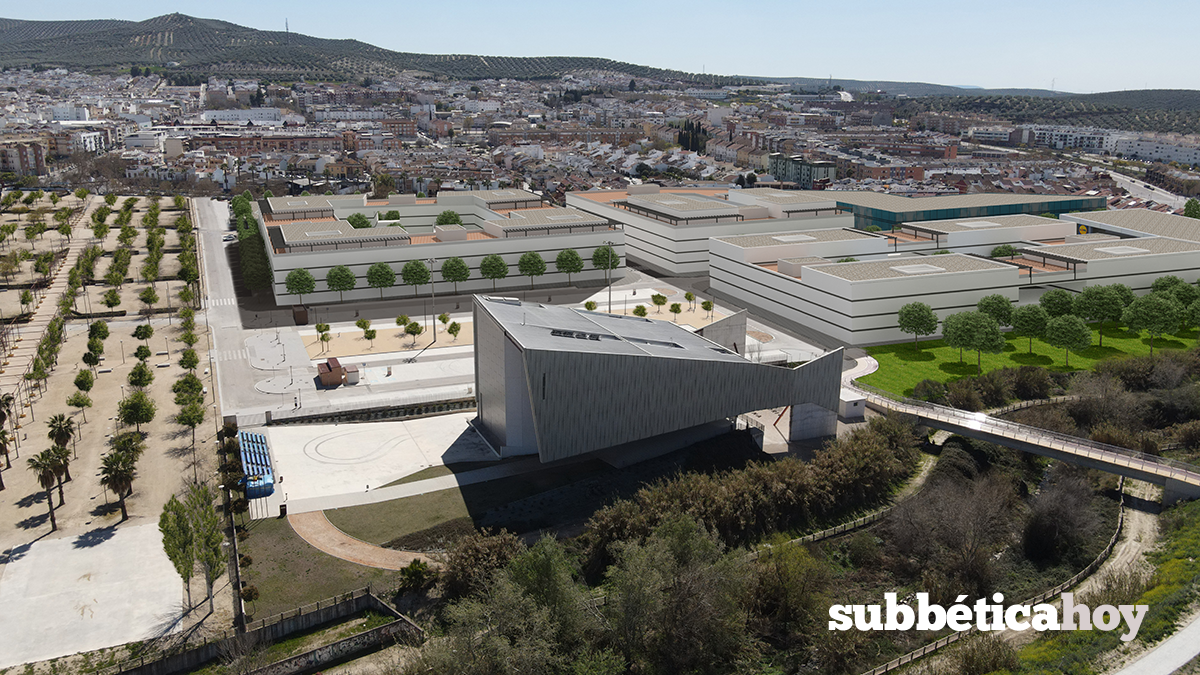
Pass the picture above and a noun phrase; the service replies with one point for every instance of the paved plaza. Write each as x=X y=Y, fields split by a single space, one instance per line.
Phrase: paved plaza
x=319 y=461
x=106 y=587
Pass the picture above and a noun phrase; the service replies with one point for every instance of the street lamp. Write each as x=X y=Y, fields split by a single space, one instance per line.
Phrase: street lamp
x=122 y=352
x=607 y=270
x=432 y=299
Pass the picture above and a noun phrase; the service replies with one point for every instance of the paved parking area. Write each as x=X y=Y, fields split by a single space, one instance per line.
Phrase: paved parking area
x=323 y=460
x=106 y=587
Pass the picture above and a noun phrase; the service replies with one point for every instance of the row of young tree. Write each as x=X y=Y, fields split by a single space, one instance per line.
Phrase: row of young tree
x=1061 y=318
x=416 y=273
x=252 y=249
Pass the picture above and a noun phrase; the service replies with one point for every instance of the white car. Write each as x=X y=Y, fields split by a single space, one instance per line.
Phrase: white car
x=229 y=237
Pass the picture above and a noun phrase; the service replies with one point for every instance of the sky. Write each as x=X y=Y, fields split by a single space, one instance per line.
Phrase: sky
x=1068 y=45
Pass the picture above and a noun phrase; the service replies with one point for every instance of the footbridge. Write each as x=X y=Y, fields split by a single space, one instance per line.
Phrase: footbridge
x=1179 y=479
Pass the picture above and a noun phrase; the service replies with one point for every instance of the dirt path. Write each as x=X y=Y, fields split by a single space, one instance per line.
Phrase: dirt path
x=316 y=529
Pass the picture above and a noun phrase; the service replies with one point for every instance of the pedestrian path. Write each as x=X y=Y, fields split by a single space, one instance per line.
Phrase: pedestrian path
x=316 y=529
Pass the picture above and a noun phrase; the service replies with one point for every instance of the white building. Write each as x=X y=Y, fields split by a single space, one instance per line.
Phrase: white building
x=312 y=233
x=1148 y=149
x=668 y=230
x=256 y=115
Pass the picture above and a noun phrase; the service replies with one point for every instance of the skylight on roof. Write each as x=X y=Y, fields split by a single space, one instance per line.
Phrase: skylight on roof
x=917 y=269
x=297 y=203
x=979 y=223
x=322 y=233
x=1121 y=250
x=672 y=202
x=568 y=217
x=793 y=238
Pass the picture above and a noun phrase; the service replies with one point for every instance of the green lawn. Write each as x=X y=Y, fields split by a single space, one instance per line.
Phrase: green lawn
x=901 y=365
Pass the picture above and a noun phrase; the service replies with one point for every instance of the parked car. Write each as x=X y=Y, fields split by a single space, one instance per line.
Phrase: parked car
x=229 y=237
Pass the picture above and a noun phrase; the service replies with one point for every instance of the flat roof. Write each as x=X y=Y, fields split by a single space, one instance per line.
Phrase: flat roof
x=898 y=204
x=984 y=223
x=506 y=195
x=1147 y=221
x=898 y=268
x=682 y=202
x=784 y=197
x=329 y=231
x=533 y=325
x=1113 y=248
x=797 y=237
x=549 y=217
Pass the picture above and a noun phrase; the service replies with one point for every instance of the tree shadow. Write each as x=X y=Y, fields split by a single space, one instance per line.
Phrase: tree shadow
x=17 y=552
x=180 y=451
x=95 y=537
x=1097 y=352
x=31 y=499
x=1164 y=342
x=106 y=509
x=914 y=356
x=1027 y=359
x=966 y=368
x=34 y=521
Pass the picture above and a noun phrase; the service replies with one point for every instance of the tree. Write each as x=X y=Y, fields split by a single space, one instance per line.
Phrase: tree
x=340 y=279
x=590 y=305
x=191 y=416
x=640 y=311
x=358 y=221
x=568 y=262
x=392 y=215
x=80 y=400
x=415 y=273
x=325 y=338
x=1057 y=302
x=61 y=429
x=414 y=329
x=188 y=359
x=455 y=271
x=1191 y=208
x=402 y=320
x=300 y=282
x=149 y=297
x=1030 y=321
x=675 y=309
x=444 y=319
x=453 y=329
x=918 y=319
x=142 y=353
x=42 y=466
x=659 y=300
x=206 y=533
x=1154 y=314
x=1068 y=332
x=691 y=298
x=98 y=329
x=996 y=306
x=26 y=300
x=1100 y=304
x=605 y=258
x=707 y=306
x=493 y=267
x=176 y=530
x=117 y=473
x=84 y=380
x=1167 y=283
x=370 y=335
x=449 y=218
x=143 y=332
x=531 y=265
x=137 y=409
x=140 y=376
x=91 y=359
x=381 y=276
x=112 y=298
x=5 y=440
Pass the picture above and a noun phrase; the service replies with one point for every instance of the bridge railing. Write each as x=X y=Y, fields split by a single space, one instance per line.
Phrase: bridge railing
x=1160 y=466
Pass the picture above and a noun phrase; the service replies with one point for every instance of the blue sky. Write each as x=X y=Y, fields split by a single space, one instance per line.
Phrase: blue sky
x=1075 y=46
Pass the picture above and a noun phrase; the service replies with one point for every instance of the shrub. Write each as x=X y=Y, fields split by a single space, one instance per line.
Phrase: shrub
x=1031 y=383
x=469 y=564
x=985 y=654
x=963 y=395
x=930 y=390
x=994 y=389
x=416 y=575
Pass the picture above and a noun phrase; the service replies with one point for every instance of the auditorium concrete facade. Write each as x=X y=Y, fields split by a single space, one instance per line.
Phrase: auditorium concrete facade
x=561 y=382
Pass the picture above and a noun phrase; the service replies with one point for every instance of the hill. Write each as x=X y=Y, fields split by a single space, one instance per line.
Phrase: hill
x=906 y=88
x=212 y=47
x=1175 y=111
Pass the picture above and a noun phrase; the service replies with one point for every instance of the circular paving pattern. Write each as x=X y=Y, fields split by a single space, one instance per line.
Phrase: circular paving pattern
x=341 y=447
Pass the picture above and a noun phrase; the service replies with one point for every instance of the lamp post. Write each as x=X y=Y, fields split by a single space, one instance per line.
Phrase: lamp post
x=122 y=352
x=607 y=272
x=432 y=299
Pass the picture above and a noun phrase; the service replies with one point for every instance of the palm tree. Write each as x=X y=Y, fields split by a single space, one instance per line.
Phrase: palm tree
x=6 y=406
x=62 y=431
x=61 y=457
x=117 y=472
x=42 y=465
x=5 y=439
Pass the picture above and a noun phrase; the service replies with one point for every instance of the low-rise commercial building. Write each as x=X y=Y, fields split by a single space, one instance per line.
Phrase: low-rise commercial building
x=313 y=233
x=667 y=230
